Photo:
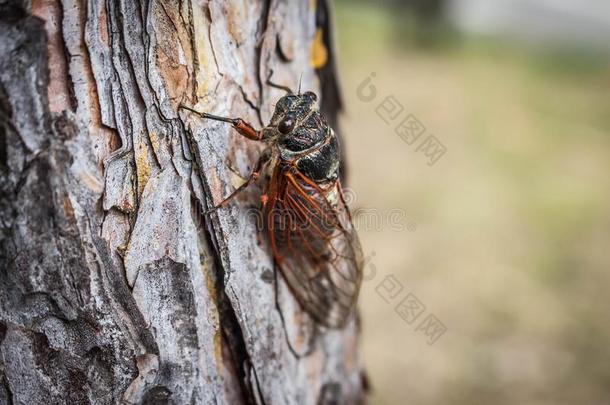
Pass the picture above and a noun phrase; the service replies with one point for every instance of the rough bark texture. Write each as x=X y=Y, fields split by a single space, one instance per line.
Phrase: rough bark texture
x=113 y=287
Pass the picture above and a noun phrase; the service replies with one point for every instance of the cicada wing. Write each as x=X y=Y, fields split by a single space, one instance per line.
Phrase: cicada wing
x=316 y=246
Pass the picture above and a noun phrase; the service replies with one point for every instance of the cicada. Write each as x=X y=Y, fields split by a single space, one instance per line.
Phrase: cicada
x=307 y=220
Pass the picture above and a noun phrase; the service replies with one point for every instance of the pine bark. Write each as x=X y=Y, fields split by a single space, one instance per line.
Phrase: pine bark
x=114 y=288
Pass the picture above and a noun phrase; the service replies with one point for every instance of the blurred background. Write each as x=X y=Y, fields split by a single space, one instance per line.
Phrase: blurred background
x=485 y=219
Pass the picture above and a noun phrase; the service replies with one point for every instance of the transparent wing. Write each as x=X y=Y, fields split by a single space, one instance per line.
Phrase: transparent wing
x=315 y=245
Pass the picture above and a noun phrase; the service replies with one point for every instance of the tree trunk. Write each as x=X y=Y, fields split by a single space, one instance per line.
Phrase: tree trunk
x=114 y=288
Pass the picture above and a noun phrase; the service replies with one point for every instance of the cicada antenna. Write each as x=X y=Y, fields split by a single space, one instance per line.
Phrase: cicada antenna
x=300 y=81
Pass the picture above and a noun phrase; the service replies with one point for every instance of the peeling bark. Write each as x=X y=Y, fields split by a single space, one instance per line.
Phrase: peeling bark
x=113 y=287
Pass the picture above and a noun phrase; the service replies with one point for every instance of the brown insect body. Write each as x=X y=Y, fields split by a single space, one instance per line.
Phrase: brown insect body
x=312 y=237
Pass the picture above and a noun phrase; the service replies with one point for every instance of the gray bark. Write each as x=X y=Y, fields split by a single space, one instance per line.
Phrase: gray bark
x=113 y=287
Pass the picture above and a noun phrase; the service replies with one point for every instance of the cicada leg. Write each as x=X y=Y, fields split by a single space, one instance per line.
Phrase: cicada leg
x=254 y=175
x=248 y=131
x=240 y=125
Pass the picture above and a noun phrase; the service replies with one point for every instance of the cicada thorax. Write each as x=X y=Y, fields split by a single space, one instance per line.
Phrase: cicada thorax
x=313 y=149
x=322 y=164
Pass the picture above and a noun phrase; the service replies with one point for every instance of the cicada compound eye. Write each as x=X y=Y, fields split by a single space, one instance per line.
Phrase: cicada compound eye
x=286 y=125
x=311 y=95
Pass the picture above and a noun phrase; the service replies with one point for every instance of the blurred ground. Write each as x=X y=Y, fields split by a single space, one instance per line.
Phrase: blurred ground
x=511 y=247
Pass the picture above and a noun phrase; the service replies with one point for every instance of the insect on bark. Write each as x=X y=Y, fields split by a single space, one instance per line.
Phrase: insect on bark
x=307 y=220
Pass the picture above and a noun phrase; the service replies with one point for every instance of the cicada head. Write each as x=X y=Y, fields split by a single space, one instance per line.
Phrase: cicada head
x=296 y=123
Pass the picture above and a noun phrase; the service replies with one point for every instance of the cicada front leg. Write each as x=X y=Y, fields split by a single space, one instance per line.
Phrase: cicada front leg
x=248 y=131
x=240 y=125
